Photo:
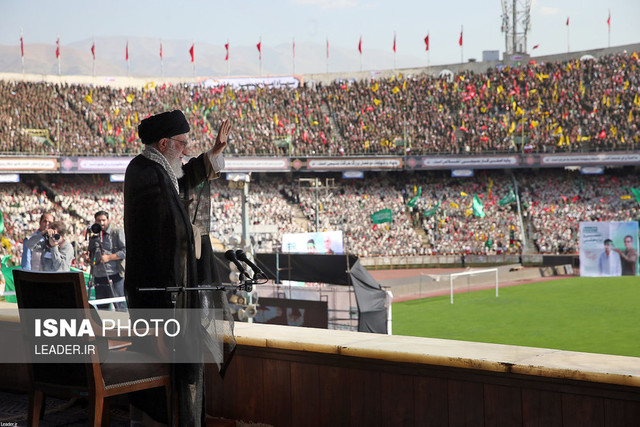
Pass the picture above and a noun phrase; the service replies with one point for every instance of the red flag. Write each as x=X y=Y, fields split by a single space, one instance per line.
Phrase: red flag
x=126 y=53
x=191 y=52
x=21 y=47
x=226 y=46
x=609 y=21
x=93 y=50
x=294 y=48
x=460 y=39
x=426 y=42
x=536 y=46
x=259 y=46
x=360 y=45
x=327 y=48
x=567 y=21
x=160 y=50
x=394 y=42
x=58 y=48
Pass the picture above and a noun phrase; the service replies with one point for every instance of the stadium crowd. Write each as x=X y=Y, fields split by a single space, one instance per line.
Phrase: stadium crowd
x=431 y=214
x=568 y=106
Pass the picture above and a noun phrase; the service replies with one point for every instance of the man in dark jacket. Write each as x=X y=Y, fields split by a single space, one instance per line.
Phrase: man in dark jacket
x=159 y=234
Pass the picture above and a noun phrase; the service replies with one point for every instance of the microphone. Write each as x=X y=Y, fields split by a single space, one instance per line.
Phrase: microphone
x=231 y=256
x=240 y=255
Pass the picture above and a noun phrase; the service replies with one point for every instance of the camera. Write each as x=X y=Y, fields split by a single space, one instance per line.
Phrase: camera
x=55 y=237
x=95 y=228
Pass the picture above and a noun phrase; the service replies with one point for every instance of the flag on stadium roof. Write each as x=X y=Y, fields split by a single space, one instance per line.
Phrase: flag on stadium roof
x=191 y=52
x=426 y=42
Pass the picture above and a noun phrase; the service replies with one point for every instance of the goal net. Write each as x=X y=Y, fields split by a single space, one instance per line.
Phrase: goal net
x=473 y=279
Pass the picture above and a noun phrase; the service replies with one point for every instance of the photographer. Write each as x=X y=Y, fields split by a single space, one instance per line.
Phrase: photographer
x=57 y=253
x=107 y=253
x=31 y=257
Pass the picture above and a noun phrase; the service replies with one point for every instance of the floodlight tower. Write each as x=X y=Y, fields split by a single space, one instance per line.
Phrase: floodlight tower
x=516 y=20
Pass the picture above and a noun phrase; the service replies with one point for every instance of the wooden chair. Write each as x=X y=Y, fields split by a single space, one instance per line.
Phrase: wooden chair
x=94 y=380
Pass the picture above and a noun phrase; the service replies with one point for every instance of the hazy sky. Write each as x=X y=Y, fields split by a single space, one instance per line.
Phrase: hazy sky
x=243 y=22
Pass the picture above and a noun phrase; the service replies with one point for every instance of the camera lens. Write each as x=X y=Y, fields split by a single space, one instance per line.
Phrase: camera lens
x=56 y=237
x=96 y=228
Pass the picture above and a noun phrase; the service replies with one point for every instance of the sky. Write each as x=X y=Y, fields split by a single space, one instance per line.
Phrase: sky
x=342 y=22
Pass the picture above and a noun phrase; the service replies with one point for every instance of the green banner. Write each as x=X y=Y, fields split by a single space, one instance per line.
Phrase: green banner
x=7 y=272
x=432 y=211
x=1 y=223
x=478 y=207
x=414 y=200
x=509 y=198
x=384 y=215
x=636 y=193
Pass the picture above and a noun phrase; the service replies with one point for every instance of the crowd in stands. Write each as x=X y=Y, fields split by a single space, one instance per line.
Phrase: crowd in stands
x=349 y=206
x=451 y=225
x=432 y=213
x=568 y=106
x=556 y=201
x=73 y=200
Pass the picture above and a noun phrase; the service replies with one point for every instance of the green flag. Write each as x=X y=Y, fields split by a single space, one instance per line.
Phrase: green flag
x=432 y=211
x=478 y=207
x=509 y=198
x=381 y=216
x=636 y=193
x=1 y=223
x=414 y=200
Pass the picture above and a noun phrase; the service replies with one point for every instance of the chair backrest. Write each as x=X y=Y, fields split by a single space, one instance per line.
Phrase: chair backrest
x=40 y=290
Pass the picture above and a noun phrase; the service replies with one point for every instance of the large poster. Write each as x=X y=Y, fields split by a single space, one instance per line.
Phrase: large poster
x=609 y=249
x=327 y=242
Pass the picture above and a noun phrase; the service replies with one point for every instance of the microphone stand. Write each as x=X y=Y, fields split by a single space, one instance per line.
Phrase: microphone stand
x=246 y=284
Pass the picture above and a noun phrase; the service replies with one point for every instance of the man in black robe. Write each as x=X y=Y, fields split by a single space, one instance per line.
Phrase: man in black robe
x=160 y=239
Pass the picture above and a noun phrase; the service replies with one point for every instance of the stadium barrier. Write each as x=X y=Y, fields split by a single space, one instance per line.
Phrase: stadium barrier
x=438 y=261
x=302 y=376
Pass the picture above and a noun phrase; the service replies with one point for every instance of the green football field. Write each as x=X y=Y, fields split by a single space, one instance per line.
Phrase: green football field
x=595 y=315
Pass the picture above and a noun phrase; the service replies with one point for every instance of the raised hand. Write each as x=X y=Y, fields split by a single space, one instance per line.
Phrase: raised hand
x=221 y=139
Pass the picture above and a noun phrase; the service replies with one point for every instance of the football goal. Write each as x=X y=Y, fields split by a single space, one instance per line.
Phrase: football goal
x=475 y=278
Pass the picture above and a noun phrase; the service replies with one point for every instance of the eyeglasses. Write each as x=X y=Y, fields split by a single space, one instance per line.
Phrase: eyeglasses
x=184 y=143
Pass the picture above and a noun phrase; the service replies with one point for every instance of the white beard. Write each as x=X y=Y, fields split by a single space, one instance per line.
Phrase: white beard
x=173 y=157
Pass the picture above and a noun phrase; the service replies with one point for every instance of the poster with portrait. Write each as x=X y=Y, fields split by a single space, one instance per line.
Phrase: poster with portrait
x=326 y=242
x=608 y=249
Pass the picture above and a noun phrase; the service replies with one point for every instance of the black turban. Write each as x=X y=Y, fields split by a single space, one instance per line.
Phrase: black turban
x=163 y=125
